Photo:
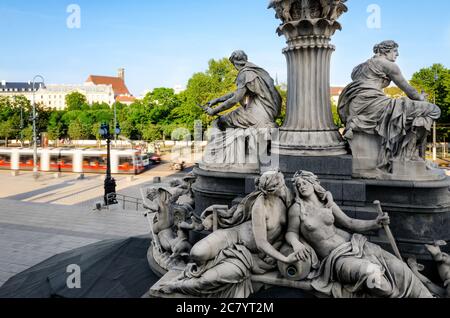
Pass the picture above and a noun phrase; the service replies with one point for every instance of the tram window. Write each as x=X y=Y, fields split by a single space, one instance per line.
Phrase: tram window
x=5 y=160
x=66 y=161
x=94 y=162
x=61 y=162
x=126 y=163
x=26 y=162
x=55 y=160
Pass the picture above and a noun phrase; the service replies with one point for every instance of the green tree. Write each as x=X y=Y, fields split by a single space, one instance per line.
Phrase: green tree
x=282 y=117
x=76 y=101
x=100 y=106
x=86 y=120
x=28 y=133
x=336 y=118
x=160 y=102
x=75 y=130
x=11 y=109
x=6 y=108
x=438 y=90
x=216 y=81
x=96 y=131
x=70 y=116
x=7 y=130
x=151 y=133
x=129 y=130
x=56 y=128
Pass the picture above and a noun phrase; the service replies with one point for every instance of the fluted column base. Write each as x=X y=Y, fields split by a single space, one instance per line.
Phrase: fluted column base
x=310 y=143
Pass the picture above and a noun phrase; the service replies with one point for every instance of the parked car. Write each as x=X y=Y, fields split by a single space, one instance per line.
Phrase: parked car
x=154 y=158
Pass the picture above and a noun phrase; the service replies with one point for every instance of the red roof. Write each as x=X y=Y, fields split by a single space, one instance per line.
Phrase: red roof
x=117 y=83
x=125 y=99
x=336 y=91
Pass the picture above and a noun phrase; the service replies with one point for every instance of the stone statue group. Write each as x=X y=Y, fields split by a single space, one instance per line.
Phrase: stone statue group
x=402 y=125
x=301 y=235
x=293 y=230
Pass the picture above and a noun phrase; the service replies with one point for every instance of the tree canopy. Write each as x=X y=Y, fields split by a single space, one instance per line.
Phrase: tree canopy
x=435 y=81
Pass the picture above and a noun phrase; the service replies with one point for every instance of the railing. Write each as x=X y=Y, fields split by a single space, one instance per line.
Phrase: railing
x=124 y=199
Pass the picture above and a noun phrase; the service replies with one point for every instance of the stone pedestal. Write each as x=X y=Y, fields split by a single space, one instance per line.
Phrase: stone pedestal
x=220 y=188
x=419 y=210
x=365 y=151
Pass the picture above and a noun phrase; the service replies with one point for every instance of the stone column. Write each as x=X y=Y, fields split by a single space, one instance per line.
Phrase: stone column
x=309 y=129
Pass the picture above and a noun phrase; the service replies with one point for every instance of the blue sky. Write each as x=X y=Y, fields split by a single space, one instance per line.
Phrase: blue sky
x=163 y=42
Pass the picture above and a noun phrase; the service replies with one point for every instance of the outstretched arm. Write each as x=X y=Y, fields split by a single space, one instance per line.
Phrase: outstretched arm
x=397 y=77
x=220 y=99
x=354 y=225
x=230 y=100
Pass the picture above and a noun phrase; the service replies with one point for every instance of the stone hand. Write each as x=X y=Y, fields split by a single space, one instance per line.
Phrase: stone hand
x=210 y=111
x=212 y=103
x=383 y=220
x=302 y=253
x=423 y=97
x=293 y=258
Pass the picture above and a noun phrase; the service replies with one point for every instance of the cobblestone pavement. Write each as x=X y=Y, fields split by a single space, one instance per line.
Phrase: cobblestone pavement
x=31 y=233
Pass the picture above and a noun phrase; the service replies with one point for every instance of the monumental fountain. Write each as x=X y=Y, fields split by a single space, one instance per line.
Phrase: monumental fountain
x=302 y=205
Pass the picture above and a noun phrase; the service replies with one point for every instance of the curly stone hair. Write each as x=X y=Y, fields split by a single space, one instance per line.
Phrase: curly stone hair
x=385 y=47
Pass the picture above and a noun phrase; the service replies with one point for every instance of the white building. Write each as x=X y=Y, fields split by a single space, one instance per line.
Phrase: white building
x=54 y=96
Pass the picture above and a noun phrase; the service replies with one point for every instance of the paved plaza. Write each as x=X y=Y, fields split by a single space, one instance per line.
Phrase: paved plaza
x=39 y=219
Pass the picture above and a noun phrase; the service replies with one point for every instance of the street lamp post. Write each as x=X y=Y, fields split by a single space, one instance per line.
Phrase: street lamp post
x=34 y=118
x=21 y=126
x=115 y=123
x=110 y=182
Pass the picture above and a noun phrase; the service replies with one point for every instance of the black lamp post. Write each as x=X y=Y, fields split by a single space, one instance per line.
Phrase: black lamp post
x=110 y=182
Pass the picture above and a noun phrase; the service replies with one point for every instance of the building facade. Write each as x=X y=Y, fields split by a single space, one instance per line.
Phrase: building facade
x=120 y=89
x=54 y=96
x=97 y=89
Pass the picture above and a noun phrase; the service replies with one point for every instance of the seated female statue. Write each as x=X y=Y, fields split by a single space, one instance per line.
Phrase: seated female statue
x=401 y=123
x=350 y=266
